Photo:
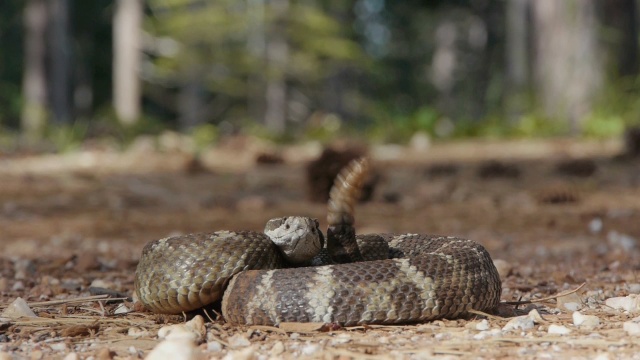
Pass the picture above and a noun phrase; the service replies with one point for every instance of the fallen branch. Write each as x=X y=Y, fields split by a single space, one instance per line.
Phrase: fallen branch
x=527 y=302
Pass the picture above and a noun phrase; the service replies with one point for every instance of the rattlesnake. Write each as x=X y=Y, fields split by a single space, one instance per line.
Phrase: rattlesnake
x=419 y=277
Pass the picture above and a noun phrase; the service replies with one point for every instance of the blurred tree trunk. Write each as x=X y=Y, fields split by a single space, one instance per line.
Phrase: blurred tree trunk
x=338 y=86
x=127 y=24
x=191 y=104
x=277 y=54
x=34 y=82
x=622 y=16
x=60 y=89
x=568 y=65
x=517 y=57
x=256 y=47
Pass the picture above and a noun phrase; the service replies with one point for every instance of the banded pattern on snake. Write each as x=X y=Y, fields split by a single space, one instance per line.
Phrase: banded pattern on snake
x=264 y=278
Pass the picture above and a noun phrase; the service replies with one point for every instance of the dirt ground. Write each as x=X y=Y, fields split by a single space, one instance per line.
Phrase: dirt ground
x=557 y=214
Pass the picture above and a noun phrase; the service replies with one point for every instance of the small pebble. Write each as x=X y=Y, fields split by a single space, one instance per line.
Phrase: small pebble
x=595 y=225
x=175 y=349
x=277 y=349
x=100 y=283
x=17 y=309
x=23 y=268
x=482 y=325
x=602 y=356
x=18 y=286
x=71 y=356
x=59 y=346
x=193 y=330
x=634 y=288
x=248 y=353
x=622 y=241
x=486 y=334
x=519 y=323
x=632 y=327
x=585 y=320
x=572 y=306
x=629 y=303
x=238 y=341
x=122 y=309
x=214 y=346
x=558 y=329
x=138 y=332
x=311 y=349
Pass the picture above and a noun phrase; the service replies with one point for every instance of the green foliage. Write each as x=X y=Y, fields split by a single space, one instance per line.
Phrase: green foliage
x=223 y=44
x=603 y=126
x=66 y=138
x=618 y=108
x=204 y=135
x=399 y=128
x=325 y=127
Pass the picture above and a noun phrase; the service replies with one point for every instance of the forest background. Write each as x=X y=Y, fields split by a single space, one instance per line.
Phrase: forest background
x=293 y=70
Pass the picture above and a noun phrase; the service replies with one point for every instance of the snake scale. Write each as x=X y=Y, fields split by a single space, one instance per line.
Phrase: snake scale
x=264 y=278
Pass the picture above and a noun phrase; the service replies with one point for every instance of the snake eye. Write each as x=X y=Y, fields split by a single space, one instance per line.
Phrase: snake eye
x=287 y=226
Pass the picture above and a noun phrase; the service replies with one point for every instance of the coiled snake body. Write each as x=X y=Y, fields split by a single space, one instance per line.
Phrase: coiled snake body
x=417 y=277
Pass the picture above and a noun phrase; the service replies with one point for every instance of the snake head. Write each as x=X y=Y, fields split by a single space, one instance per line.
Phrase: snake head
x=299 y=238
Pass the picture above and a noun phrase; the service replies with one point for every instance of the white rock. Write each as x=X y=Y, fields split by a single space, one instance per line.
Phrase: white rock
x=535 y=316
x=572 y=306
x=634 y=288
x=18 y=286
x=311 y=349
x=632 y=327
x=277 y=349
x=22 y=269
x=238 y=341
x=595 y=225
x=629 y=303
x=585 y=320
x=623 y=241
x=519 y=323
x=248 y=353
x=175 y=349
x=100 y=283
x=214 y=346
x=486 y=334
x=5 y=356
x=72 y=356
x=122 y=309
x=17 y=309
x=558 y=329
x=58 y=346
x=193 y=330
x=482 y=325
x=138 y=332
x=602 y=356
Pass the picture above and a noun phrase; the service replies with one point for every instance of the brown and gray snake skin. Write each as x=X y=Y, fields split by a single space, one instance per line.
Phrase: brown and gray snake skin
x=420 y=277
